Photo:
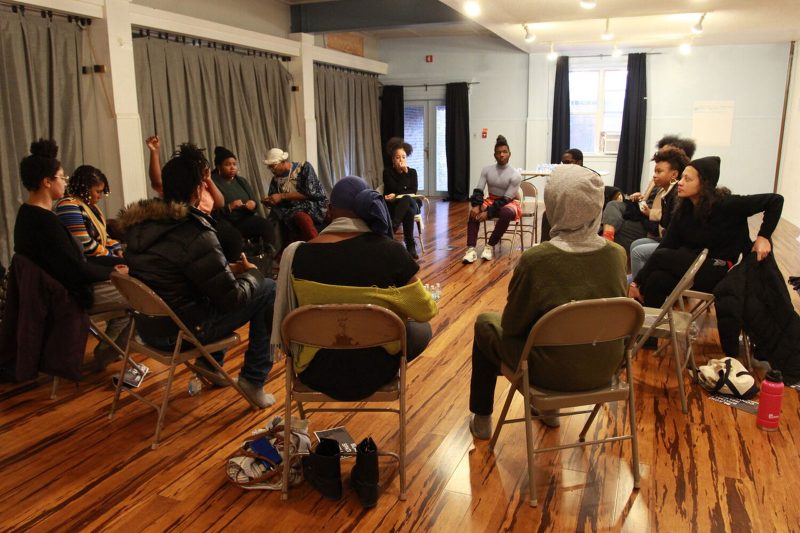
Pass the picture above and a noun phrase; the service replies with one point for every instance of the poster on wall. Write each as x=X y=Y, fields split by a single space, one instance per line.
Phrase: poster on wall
x=712 y=122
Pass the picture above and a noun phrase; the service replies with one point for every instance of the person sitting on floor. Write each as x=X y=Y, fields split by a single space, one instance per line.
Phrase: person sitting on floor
x=41 y=236
x=576 y=264
x=502 y=204
x=323 y=271
x=296 y=197
x=173 y=249
x=399 y=182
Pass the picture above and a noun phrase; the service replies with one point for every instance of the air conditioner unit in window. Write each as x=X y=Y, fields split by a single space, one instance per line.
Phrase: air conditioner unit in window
x=609 y=142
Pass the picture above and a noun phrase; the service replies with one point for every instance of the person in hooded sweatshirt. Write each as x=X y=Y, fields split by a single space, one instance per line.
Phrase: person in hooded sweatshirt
x=576 y=264
x=173 y=248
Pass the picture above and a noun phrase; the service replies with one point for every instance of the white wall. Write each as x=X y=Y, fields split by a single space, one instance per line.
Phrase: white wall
x=498 y=101
x=271 y=17
x=789 y=179
x=752 y=76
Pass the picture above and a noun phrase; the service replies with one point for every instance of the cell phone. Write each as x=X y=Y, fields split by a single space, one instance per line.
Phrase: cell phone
x=264 y=448
x=642 y=205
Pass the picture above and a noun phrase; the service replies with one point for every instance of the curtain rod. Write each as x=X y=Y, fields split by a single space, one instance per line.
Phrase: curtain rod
x=47 y=13
x=426 y=85
x=609 y=55
x=140 y=32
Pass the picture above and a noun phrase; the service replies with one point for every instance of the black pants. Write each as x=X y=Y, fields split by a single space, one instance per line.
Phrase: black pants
x=666 y=267
x=255 y=227
x=229 y=239
x=403 y=211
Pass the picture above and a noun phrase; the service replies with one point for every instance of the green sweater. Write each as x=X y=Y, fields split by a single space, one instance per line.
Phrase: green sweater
x=545 y=278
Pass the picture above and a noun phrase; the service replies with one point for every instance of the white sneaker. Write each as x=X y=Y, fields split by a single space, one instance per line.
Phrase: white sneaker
x=470 y=257
x=487 y=253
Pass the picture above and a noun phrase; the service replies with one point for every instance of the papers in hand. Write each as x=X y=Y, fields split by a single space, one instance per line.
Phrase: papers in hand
x=134 y=375
x=340 y=434
x=398 y=196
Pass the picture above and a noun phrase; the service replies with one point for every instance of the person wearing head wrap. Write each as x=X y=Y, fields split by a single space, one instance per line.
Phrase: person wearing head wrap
x=399 y=186
x=502 y=204
x=353 y=260
x=241 y=204
x=576 y=264
x=706 y=216
x=296 y=197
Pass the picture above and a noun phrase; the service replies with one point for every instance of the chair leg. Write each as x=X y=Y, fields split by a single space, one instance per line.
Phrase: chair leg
x=588 y=424
x=233 y=382
x=162 y=412
x=54 y=390
x=287 y=424
x=125 y=362
x=502 y=420
x=748 y=355
x=634 y=432
x=402 y=453
x=300 y=410
x=419 y=237
x=679 y=369
x=526 y=392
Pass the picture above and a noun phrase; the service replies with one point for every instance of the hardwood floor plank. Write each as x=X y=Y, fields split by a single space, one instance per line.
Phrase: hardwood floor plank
x=66 y=466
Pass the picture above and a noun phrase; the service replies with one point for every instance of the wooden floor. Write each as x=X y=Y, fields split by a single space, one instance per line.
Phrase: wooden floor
x=64 y=465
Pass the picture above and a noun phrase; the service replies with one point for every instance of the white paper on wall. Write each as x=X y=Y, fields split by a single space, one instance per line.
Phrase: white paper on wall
x=712 y=122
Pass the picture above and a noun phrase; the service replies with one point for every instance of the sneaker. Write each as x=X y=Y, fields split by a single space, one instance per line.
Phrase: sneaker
x=481 y=426
x=255 y=393
x=546 y=419
x=487 y=253
x=470 y=257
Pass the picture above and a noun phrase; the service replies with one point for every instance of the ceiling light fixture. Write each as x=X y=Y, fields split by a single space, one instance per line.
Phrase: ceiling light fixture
x=529 y=35
x=616 y=52
x=697 y=29
x=607 y=35
x=588 y=4
x=472 y=8
x=553 y=55
x=685 y=48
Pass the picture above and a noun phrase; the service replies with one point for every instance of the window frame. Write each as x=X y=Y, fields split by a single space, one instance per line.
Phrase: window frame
x=601 y=66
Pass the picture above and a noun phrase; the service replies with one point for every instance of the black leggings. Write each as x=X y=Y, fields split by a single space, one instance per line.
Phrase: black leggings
x=666 y=267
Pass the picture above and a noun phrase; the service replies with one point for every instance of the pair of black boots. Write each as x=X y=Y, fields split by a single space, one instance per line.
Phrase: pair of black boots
x=322 y=469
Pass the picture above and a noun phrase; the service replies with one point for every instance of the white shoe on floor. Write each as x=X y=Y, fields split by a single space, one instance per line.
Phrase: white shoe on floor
x=470 y=257
x=487 y=253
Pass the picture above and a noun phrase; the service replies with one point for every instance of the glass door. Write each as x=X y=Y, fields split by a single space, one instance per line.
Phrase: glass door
x=425 y=131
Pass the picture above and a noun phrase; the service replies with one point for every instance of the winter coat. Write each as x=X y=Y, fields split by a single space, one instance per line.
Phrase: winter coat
x=173 y=249
x=753 y=297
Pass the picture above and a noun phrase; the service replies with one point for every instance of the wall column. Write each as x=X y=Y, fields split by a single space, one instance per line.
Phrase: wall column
x=304 y=142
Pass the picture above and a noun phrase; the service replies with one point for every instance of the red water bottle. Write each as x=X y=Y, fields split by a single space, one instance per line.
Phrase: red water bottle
x=769 y=403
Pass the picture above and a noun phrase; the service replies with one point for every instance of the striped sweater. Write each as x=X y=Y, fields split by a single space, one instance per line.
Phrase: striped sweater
x=73 y=213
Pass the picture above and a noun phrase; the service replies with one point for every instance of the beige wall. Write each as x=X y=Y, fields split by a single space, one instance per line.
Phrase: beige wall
x=789 y=178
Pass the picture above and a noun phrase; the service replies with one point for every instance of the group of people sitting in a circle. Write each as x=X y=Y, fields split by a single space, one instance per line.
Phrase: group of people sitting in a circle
x=187 y=245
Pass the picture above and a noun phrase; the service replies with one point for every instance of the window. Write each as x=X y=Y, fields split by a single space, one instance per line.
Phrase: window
x=596 y=98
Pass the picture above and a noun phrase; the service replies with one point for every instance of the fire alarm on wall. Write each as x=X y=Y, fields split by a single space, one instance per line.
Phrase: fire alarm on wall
x=429 y=59
x=484 y=133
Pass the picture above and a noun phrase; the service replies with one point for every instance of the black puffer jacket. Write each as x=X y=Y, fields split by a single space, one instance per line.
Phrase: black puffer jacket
x=754 y=297
x=174 y=249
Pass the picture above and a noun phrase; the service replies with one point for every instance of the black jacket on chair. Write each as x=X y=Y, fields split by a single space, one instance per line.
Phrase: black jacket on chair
x=753 y=297
x=173 y=249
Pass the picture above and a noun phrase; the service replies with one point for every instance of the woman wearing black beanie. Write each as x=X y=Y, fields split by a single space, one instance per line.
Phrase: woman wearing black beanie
x=706 y=216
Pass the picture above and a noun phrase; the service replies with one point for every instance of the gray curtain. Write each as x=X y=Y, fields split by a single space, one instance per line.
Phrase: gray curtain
x=40 y=96
x=213 y=98
x=348 y=125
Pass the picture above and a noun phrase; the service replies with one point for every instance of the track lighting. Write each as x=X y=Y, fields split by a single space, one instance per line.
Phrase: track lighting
x=472 y=8
x=529 y=35
x=697 y=29
x=685 y=48
x=616 y=52
x=607 y=35
x=588 y=4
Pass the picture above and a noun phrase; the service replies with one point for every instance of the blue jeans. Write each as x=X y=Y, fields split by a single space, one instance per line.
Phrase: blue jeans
x=641 y=250
x=258 y=312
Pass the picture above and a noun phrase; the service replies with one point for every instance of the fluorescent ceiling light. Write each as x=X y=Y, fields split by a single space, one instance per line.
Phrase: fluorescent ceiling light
x=529 y=35
x=685 y=48
x=588 y=4
x=553 y=55
x=697 y=29
x=472 y=8
x=607 y=35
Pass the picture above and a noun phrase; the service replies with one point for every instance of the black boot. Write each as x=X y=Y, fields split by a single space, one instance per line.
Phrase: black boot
x=364 y=475
x=322 y=469
x=412 y=250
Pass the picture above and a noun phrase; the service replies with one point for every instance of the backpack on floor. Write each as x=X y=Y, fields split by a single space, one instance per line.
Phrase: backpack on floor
x=727 y=376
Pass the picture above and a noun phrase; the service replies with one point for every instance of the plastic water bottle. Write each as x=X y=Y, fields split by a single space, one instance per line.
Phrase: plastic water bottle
x=195 y=385
x=437 y=292
x=769 y=403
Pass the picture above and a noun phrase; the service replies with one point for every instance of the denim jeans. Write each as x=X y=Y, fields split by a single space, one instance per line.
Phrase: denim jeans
x=258 y=312
x=641 y=250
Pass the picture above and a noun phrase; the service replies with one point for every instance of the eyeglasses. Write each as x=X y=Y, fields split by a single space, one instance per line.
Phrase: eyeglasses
x=65 y=178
